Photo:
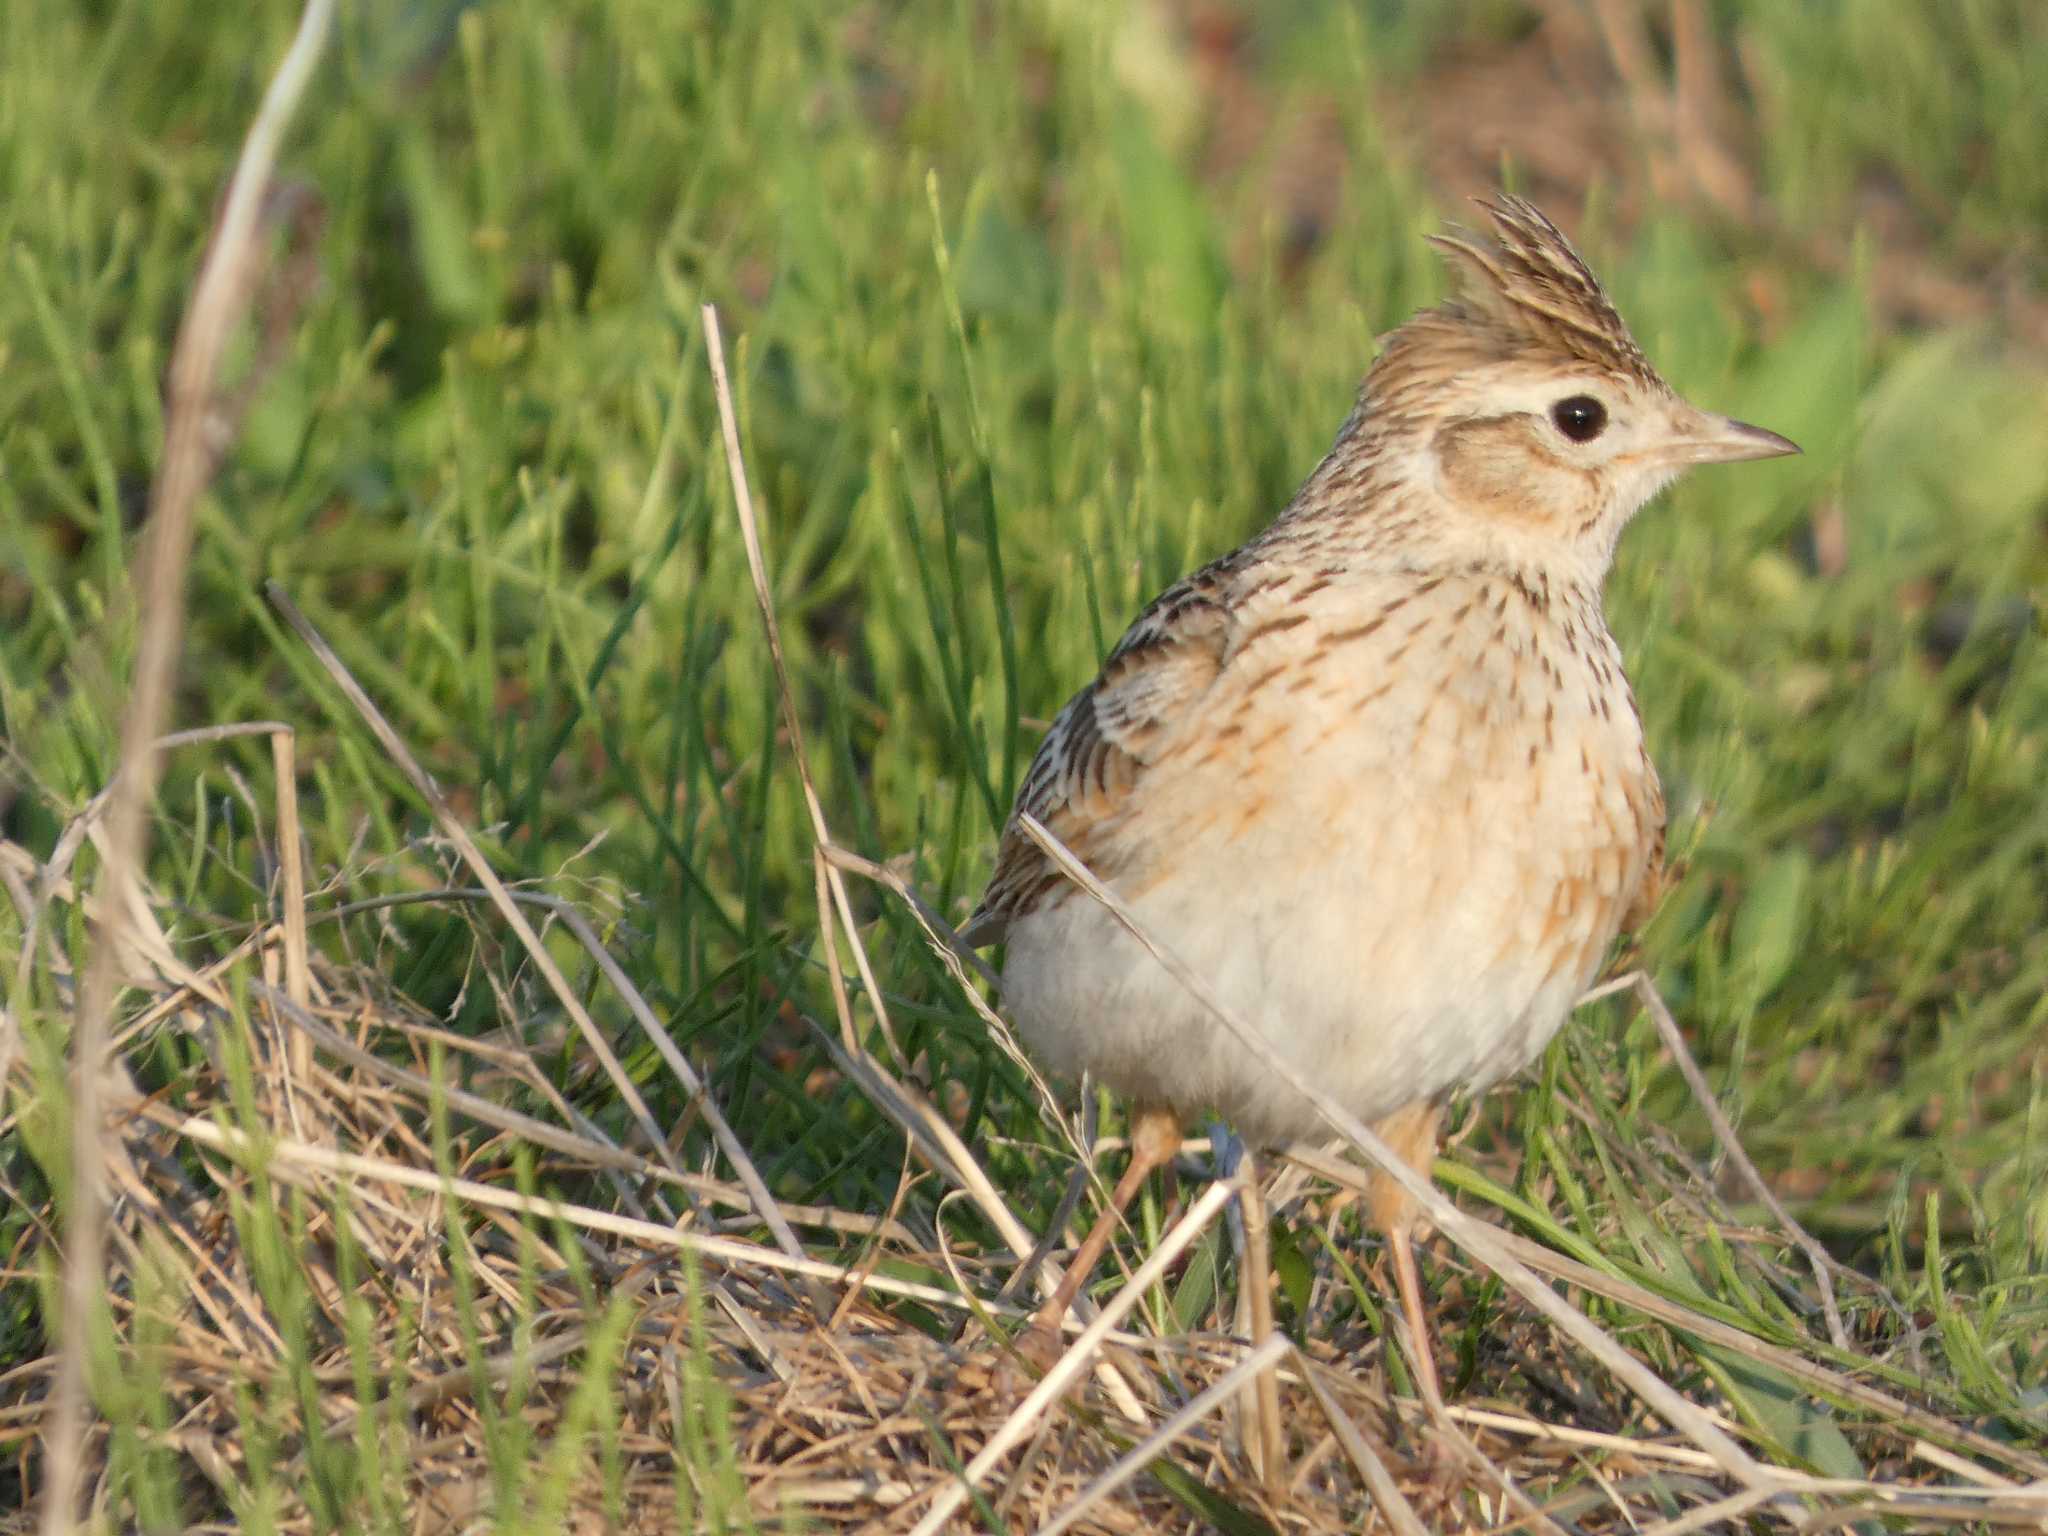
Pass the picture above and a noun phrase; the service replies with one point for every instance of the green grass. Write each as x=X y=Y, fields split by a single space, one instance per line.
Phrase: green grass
x=1013 y=352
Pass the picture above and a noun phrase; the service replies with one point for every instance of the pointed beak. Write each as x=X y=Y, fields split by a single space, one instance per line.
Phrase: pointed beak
x=1709 y=439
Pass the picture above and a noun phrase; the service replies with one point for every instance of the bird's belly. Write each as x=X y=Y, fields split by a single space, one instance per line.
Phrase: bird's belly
x=1396 y=930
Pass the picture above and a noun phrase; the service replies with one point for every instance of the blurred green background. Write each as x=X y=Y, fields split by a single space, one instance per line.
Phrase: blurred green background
x=1036 y=307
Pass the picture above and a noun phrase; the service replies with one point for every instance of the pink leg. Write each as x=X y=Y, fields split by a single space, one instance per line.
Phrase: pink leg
x=1412 y=1133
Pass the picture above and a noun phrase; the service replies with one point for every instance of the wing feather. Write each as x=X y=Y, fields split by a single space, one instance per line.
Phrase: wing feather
x=1094 y=758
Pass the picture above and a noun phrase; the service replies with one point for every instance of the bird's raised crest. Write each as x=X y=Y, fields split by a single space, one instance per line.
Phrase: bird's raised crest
x=1530 y=290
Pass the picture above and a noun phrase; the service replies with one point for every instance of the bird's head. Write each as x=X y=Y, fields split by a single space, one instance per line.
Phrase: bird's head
x=1525 y=403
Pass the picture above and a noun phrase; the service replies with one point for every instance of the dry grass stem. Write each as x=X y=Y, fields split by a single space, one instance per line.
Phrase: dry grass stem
x=936 y=1140
x=946 y=941
x=1259 y=1362
x=1731 y=1144
x=218 y=302
x=1258 y=1288
x=954 y=953
x=1715 y=1516
x=757 y=566
x=1387 y=1496
x=298 y=970
x=288 y=1156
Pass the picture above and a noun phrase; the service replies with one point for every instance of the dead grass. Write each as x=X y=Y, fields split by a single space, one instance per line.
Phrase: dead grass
x=356 y=1277
x=426 y=1270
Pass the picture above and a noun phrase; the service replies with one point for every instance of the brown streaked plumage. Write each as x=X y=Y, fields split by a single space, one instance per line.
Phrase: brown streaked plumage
x=1378 y=773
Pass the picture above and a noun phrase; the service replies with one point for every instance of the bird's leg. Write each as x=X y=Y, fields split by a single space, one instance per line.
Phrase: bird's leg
x=1412 y=1134
x=1155 y=1139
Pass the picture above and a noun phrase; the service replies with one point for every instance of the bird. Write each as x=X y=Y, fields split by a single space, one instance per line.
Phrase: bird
x=1378 y=774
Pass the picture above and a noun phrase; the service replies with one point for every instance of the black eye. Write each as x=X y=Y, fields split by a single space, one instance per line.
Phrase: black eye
x=1580 y=417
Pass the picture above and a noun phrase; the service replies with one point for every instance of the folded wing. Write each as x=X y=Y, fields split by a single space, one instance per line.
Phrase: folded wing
x=1092 y=763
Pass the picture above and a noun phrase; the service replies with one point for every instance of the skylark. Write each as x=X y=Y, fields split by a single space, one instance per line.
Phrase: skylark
x=1378 y=773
